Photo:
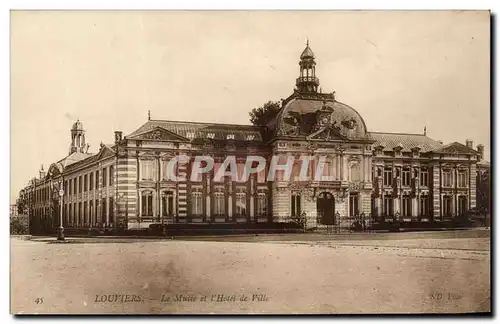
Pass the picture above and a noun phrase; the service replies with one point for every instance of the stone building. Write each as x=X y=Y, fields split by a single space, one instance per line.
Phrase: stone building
x=380 y=176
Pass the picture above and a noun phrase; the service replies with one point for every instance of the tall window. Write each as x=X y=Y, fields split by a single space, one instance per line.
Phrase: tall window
x=74 y=186
x=96 y=204
x=261 y=204
x=104 y=177
x=355 y=176
x=424 y=206
x=111 y=175
x=97 y=179
x=111 y=210
x=295 y=207
x=85 y=213
x=91 y=212
x=462 y=205
x=91 y=182
x=388 y=206
x=241 y=204
x=219 y=203
x=447 y=178
x=147 y=169
x=424 y=177
x=147 y=203
x=406 y=206
x=104 y=209
x=79 y=220
x=66 y=188
x=406 y=177
x=85 y=183
x=70 y=214
x=80 y=182
x=197 y=203
x=462 y=179
x=167 y=203
x=353 y=205
x=447 y=211
x=387 y=177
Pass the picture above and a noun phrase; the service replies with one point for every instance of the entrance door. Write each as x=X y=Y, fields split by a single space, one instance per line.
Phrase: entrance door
x=325 y=206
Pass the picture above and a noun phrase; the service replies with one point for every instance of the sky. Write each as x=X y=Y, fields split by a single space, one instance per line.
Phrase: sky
x=400 y=70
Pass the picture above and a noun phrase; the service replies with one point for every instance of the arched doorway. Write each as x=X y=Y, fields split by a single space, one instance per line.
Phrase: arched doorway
x=325 y=206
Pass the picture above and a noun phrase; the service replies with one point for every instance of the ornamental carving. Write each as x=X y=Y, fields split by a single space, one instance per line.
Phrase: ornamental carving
x=156 y=135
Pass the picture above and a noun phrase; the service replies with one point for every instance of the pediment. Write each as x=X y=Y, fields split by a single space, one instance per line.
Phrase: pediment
x=329 y=133
x=159 y=134
x=455 y=148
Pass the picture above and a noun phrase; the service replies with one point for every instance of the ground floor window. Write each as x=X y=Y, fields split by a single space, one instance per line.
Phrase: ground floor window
x=111 y=210
x=295 y=204
x=261 y=204
x=447 y=210
x=462 y=205
x=241 y=204
x=147 y=203
x=91 y=212
x=424 y=206
x=167 y=203
x=196 y=203
x=103 y=211
x=388 y=206
x=219 y=203
x=85 y=213
x=406 y=208
x=353 y=205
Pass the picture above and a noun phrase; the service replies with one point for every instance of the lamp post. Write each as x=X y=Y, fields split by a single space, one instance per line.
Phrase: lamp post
x=60 y=232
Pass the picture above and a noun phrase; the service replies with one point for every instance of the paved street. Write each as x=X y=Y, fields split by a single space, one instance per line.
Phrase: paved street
x=311 y=273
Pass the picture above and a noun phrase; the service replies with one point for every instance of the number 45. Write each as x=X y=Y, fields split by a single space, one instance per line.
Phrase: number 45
x=39 y=300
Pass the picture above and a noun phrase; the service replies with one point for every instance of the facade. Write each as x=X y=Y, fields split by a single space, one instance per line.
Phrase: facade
x=380 y=176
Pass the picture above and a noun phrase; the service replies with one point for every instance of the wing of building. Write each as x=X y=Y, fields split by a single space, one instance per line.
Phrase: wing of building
x=128 y=185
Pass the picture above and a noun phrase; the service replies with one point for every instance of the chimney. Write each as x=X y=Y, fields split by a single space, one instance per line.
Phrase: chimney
x=480 y=149
x=469 y=143
x=118 y=136
x=42 y=173
x=440 y=142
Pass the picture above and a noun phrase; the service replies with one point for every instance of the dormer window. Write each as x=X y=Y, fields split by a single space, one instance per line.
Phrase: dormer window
x=190 y=135
x=397 y=149
x=211 y=135
x=230 y=136
x=250 y=137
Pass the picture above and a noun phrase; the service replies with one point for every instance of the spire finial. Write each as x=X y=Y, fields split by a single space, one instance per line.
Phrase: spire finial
x=307 y=41
x=425 y=130
x=149 y=114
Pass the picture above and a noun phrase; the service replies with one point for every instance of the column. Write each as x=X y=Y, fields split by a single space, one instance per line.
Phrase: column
x=344 y=168
x=338 y=174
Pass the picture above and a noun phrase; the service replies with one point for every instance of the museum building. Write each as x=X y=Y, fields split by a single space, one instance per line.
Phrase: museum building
x=378 y=176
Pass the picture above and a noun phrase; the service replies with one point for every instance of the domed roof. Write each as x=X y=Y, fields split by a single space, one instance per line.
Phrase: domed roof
x=77 y=125
x=310 y=116
x=307 y=53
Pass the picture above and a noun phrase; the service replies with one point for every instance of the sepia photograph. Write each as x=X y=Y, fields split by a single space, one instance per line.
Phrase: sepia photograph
x=250 y=162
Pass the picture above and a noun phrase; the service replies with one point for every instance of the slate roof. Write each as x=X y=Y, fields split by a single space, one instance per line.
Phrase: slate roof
x=73 y=158
x=408 y=141
x=202 y=130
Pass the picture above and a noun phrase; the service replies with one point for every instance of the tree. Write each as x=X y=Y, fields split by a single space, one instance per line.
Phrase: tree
x=262 y=115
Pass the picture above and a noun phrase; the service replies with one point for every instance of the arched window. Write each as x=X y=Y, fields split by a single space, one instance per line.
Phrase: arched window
x=167 y=203
x=147 y=203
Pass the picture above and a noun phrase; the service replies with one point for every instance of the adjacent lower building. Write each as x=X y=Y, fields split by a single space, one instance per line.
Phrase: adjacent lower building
x=379 y=176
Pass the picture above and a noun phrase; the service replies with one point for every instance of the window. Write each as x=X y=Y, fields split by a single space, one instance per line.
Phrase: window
x=103 y=211
x=296 y=210
x=104 y=177
x=388 y=177
x=355 y=172
x=241 y=204
x=388 y=206
x=79 y=220
x=424 y=178
x=196 y=203
x=462 y=205
x=147 y=203
x=111 y=210
x=447 y=210
x=230 y=136
x=111 y=175
x=447 y=178
x=406 y=206
x=146 y=169
x=190 y=135
x=66 y=188
x=424 y=206
x=74 y=186
x=91 y=178
x=462 y=179
x=250 y=137
x=96 y=204
x=406 y=177
x=97 y=179
x=219 y=203
x=85 y=214
x=70 y=215
x=261 y=204
x=80 y=182
x=353 y=205
x=211 y=135
x=85 y=183
x=167 y=203
x=91 y=211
